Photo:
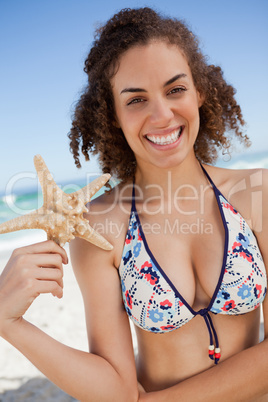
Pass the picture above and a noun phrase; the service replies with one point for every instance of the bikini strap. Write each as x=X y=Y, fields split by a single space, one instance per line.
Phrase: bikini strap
x=133 y=203
x=208 y=177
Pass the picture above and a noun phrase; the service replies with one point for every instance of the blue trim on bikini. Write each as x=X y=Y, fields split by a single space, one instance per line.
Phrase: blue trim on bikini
x=178 y=294
x=152 y=301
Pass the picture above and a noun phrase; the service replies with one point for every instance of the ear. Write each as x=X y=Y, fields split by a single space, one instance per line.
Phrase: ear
x=200 y=99
x=115 y=123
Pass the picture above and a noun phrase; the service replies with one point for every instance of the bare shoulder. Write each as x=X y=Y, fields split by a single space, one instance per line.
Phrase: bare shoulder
x=230 y=177
x=246 y=189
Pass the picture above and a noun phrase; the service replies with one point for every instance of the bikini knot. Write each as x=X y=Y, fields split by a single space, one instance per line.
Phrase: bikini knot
x=203 y=312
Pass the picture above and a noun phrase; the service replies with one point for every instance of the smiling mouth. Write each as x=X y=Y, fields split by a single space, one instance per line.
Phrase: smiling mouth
x=165 y=139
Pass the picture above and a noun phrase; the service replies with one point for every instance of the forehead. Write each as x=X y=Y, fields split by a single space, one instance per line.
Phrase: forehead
x=156 y=60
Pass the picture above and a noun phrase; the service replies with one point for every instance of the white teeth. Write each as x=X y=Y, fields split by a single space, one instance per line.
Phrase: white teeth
x=169 y=139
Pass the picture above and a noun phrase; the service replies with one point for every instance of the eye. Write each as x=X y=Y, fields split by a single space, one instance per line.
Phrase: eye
x=177 y=90
x=134 y=101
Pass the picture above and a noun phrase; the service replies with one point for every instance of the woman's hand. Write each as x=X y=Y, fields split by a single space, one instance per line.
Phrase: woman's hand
x=30 y=271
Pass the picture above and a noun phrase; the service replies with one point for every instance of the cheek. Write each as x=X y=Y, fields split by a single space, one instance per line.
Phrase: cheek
x=191 y=111
x=124 y=120
x=130 y=127
x=129 y=134
x=131 y=142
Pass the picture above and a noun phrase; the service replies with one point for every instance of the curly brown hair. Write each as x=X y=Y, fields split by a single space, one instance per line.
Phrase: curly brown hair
x=94 y=114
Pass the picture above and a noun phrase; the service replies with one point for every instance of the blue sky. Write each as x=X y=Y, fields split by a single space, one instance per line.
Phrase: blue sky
x=43 y=47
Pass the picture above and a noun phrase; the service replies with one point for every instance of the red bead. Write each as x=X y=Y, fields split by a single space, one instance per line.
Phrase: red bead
x=211 y=352
x=217 y=355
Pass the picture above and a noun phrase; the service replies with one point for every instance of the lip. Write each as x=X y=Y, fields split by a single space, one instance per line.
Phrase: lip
x=166 y=132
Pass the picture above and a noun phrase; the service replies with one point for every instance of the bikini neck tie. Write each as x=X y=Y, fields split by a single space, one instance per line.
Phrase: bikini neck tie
x=214 y=351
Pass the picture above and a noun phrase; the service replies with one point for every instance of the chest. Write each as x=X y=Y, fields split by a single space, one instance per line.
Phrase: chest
x=169 y=274
x=189 y=248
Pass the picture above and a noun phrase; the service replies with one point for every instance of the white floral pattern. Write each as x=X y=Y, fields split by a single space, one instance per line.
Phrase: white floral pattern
x=154 y=304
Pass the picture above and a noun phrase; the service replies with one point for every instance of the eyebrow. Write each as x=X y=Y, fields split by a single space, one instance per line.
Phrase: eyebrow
x=177 y=77
x=173 y=79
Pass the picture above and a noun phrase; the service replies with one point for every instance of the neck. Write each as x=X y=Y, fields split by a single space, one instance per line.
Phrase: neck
x=187 y=176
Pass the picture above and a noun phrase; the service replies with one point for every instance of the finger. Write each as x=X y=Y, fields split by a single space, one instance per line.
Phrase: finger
x=48 y=246
x=48 y=274
x=26 y=262
x=41 y=270
x=46 y=261
x=42 y=287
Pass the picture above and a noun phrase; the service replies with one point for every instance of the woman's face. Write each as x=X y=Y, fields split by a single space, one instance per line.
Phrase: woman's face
x=156 y=104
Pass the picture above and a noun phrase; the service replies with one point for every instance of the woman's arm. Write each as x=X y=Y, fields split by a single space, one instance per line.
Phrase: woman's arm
x=108 y=326
x=243 y=377
x=86 y=376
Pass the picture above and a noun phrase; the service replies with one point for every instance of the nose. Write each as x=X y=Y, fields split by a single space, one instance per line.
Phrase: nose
x=161 y=113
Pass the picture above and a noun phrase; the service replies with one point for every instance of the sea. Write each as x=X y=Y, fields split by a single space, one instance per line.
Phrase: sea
x=19 y=201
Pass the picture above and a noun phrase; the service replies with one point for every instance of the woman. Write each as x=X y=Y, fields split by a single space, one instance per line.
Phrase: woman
x=187 y=264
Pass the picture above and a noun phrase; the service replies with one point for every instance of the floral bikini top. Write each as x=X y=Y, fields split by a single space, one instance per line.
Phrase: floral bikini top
x=154 y=304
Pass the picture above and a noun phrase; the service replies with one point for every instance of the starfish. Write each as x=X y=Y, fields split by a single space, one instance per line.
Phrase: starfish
x=61 y=215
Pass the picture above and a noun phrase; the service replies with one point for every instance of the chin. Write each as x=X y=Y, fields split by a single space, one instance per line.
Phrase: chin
x=173 y=162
